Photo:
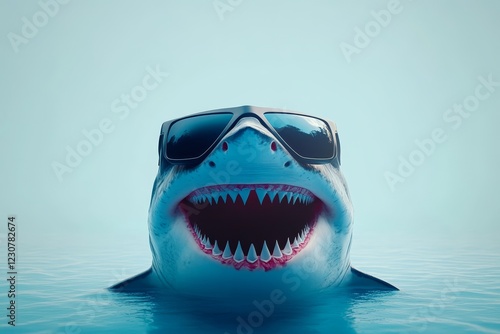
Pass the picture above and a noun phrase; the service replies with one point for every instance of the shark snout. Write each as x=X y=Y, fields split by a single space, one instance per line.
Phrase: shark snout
x=249 y=144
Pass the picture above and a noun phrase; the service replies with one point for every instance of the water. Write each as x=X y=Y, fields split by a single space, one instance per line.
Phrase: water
x=450 y=287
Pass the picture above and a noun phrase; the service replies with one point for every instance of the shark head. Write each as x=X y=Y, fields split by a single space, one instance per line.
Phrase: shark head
x=249 y=217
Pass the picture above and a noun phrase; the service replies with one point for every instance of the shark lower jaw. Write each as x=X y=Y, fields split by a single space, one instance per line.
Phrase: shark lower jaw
x=252 y=226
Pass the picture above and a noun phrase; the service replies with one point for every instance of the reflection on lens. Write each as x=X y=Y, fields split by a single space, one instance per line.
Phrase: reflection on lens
x=307 y=136
x=191 y=137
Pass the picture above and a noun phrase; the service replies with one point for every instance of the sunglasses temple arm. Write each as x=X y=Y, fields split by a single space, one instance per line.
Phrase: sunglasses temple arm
x=337 y=142
x=160 y=141
x=337 y=153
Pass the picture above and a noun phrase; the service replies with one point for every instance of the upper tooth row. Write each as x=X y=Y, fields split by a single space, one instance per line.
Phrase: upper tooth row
x=265 y=254
x=215 y=196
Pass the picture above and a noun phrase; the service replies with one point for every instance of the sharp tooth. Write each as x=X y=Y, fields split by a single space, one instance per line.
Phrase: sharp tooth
x=216 y=250
x=244 y=193
x=252 y=254
x=203 y=240
x=288 y=249
x=277 y=252
x=289 y=196
x=299 y=198
x=260 y=194
x=299 y=239
x=281 y=194
x=295 y=243
x=265 y=255
x=238 y=255
x=295 y=198
x=209 y=198
x=233 y=194
x=215 y=196
x=272 y=194
x=302 y=199
x=227 y=252
x=207 y=244
x=223 y=195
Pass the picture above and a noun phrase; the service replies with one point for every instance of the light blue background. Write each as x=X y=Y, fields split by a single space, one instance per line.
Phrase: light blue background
x=283 y=54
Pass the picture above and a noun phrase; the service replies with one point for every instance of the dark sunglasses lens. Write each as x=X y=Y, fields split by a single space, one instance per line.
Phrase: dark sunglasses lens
x=307 y=136
x=191 y=137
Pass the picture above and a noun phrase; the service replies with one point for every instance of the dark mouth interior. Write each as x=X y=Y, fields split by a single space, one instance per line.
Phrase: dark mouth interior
x=252 y=222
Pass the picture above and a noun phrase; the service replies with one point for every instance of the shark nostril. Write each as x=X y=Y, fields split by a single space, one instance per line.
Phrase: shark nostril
x=224 y=146
x=287 y=163
x=274 y=147
x=211 y=164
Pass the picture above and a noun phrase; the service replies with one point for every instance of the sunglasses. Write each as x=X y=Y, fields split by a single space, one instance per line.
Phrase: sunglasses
x=189 y=140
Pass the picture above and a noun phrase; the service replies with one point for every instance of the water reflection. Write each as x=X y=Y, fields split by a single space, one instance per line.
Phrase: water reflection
x=325 y=312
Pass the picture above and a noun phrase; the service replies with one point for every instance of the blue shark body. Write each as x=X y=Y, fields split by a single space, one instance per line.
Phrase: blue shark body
x=252 y=172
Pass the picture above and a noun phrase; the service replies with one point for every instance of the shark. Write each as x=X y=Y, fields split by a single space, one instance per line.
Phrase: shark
x=248 y=201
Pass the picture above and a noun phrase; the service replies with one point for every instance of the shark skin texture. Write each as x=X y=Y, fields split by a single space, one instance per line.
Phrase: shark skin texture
x=249 y=219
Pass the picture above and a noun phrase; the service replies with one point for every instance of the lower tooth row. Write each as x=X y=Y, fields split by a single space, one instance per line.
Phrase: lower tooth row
x=265 y=254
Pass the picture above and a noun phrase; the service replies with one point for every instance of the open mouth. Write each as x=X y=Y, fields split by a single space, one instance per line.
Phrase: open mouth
x=252 y=226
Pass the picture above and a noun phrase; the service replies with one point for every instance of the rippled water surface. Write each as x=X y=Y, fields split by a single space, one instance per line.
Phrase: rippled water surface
x=446 y=287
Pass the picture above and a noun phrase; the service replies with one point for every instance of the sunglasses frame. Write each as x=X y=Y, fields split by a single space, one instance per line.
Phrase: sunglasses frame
x=237 y=114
